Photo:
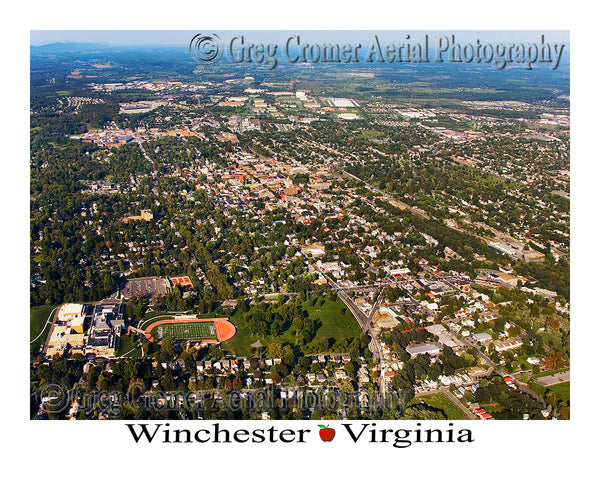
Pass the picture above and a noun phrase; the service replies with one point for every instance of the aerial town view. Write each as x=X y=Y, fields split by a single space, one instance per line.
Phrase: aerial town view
x=346 y=240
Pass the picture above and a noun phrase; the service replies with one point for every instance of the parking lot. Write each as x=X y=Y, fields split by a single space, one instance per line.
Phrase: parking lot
x=145 y=286
x=554 y=379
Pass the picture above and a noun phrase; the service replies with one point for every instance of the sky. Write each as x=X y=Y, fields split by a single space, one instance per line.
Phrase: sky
x=183 y=37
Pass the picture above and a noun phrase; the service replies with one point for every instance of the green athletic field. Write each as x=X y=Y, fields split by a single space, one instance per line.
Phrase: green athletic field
x=185 y=331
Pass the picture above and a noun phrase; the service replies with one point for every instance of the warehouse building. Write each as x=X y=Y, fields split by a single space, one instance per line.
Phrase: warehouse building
x=428 y=348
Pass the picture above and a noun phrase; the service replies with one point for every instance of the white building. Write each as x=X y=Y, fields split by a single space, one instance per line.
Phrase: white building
x=428 y=348
x=512 y=344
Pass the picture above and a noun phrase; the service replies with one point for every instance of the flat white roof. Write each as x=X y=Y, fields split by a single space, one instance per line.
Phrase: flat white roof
x=436 y=329
x=482 y=336
x=71 y=309
x=423 y=348
x=78 y=320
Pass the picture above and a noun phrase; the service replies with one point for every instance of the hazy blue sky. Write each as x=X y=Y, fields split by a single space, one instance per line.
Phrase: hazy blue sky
x=183 y=37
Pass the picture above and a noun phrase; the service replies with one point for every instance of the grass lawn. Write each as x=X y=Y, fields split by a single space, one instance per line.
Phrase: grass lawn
x=241 y=341
x=492 y=407
x=562 y=390
x=37 y=320
x=332 y=324
x=426 y=201
x=56 y=145
x=370 y=133
x=441 y=401
x=150 y=317
x=136 y=353
x=126 y=343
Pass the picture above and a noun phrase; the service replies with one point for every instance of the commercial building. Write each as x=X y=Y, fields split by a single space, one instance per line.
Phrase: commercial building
x=482 y=337
x=443 y=336
x=105 y=329
x=145 y=215
x=71 y=310
x=428 y=348
x=67 y=331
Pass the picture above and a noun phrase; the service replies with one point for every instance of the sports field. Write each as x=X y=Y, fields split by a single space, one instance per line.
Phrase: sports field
x=205 y=330
x=186 y=331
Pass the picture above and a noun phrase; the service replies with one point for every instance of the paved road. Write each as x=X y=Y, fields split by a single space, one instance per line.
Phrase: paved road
x=372 y=287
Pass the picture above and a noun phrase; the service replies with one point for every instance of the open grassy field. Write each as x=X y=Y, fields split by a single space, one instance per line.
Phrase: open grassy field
x=128 y=347
x=37 y=321
x=492 y=407
x=441 y=401
x=240 y=344
x=369 y=134
x=562 y=390
x=332 y=324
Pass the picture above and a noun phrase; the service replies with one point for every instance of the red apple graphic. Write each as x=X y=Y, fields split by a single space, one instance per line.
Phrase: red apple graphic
x=326 y=433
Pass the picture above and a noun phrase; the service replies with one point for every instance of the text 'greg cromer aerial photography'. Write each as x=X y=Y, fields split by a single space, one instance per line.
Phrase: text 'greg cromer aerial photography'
x=275 y=225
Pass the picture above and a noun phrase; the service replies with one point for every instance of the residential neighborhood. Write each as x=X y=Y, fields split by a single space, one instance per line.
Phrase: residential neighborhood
x=231 y=234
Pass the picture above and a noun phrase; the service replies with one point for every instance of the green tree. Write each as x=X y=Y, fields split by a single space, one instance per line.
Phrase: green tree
x=168 y=348
x=167 y=382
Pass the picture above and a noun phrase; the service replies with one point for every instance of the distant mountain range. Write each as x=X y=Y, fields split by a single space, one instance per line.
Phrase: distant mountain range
x=60 y=47
x=63 y=47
